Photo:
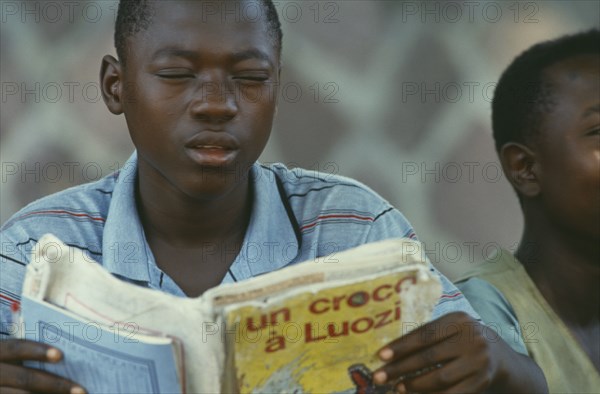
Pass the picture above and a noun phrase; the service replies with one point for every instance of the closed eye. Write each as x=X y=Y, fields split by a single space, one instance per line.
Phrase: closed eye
x=251 y=76
x=175 y=74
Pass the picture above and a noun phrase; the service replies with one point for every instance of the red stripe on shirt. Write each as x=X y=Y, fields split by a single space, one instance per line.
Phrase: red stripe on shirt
x=451 y=295
x=8 y=298
x=323 y=217
x=14 y=304
x=95 y=218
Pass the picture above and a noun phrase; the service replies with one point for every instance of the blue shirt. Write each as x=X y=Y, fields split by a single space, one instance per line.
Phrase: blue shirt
x=297 y=215
x=495 y=311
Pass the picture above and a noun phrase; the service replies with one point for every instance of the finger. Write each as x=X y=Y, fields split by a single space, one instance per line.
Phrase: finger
x=448 y=375
x=419 y=363
x=29 y=379
x=382 y=377
x=427 y=335
x=13 y=350
x=401 y=388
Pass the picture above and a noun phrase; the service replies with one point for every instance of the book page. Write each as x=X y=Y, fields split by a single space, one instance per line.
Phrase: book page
x=102 y=359
x=387 y=255
x=68 y=279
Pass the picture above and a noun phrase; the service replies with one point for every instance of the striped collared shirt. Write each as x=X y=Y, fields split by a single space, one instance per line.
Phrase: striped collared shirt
x=297 y=215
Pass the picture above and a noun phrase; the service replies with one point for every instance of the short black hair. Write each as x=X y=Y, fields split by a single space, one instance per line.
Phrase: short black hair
x=134 y=16
x=523 y=94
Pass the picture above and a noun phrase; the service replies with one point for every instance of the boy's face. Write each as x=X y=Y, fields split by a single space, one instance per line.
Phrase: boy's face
x=199 y=96
x=569 y=147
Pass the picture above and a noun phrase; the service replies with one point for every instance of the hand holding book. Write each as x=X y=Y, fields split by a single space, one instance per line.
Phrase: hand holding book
x=14 y=352
x=453 y=353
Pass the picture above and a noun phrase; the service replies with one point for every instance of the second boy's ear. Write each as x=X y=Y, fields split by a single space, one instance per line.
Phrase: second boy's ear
x=522 y=169
x=111 y=84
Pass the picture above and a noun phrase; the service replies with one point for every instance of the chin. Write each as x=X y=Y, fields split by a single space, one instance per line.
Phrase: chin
x=211 y=186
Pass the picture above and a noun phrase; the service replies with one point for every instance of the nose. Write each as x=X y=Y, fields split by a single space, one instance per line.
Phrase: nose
x=214 y=101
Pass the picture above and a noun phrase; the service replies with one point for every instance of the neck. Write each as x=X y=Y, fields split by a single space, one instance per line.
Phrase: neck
x=173 y=217
x=565 y=269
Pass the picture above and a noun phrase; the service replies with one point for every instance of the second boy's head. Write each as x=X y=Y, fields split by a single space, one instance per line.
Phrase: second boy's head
x=197 y=83
x=546 y=122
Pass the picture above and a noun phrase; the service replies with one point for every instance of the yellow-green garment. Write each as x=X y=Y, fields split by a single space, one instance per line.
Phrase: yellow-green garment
x=567 y=367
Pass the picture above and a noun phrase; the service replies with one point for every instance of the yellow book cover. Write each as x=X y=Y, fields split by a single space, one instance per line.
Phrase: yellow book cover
x=325 y=340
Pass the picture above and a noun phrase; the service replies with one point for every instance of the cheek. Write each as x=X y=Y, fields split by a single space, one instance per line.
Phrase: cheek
x=589 y=169
x=260 y=116
x=151 y=118
x=572 y=194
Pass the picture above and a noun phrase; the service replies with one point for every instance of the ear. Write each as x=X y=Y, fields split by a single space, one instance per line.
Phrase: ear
x=111 y=82
x=521 y=168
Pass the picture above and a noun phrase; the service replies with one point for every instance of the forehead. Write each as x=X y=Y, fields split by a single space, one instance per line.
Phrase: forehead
x=205 y=26
x=575 y=93
x=575 y=76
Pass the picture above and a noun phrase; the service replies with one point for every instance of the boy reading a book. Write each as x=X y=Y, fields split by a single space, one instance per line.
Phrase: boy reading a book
x=546 y=121
x=192 y=208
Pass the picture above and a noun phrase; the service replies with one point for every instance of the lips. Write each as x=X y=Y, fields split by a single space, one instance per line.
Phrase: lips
x=212 y=149
x=213 y=139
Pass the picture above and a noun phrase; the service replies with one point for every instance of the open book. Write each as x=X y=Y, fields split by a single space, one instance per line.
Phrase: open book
x=310 y=327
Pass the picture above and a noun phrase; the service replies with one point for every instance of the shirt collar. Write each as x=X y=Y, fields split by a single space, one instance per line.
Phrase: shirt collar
x=271 y=240
x=125 y=251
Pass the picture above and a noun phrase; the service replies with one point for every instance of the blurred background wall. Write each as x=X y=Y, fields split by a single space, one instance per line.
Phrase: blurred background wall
x=394 y=93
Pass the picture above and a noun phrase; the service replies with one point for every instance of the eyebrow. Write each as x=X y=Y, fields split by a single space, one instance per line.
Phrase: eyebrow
x=251 y=54
x=236 y=57
x=174 y=52
x=594 y=109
